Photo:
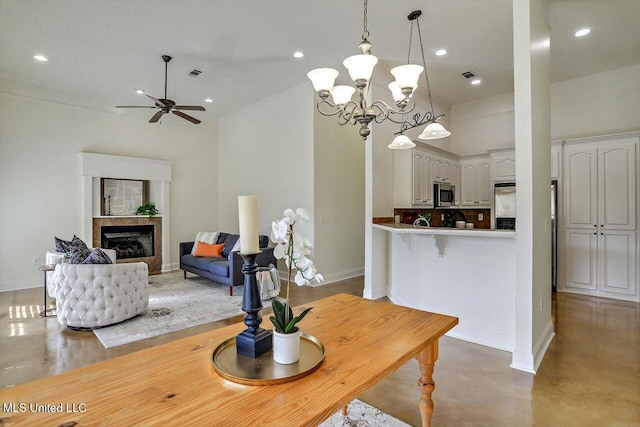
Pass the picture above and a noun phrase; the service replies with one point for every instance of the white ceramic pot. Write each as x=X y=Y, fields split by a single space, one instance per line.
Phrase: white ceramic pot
x=286 y=347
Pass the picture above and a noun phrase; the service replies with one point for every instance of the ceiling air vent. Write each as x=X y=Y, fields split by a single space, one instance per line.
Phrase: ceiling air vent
x=195 y=73
x=469 y=74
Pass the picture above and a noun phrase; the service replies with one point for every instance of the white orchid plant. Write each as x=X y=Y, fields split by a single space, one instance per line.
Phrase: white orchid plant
x=293 y=248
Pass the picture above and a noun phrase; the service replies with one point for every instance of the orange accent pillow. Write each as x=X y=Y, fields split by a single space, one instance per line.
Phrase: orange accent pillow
x=204 y=249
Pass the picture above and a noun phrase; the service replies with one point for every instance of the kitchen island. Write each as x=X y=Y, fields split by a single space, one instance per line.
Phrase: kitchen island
x=467 y=273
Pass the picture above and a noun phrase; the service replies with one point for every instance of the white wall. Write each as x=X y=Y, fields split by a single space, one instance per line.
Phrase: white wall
x=339 y=218
x=290 y=156
x=40 y=182
x=599 y=104
x=266 y=149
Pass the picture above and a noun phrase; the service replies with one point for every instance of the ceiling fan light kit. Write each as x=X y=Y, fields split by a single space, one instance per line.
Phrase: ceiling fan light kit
x=362 y=111
x=166 y=105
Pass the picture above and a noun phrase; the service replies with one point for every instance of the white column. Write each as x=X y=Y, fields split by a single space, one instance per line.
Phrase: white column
x=86 y=187
x=165 y=211
x=531 y=47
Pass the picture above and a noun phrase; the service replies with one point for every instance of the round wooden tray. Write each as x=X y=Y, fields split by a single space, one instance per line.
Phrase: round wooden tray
x=264 y=370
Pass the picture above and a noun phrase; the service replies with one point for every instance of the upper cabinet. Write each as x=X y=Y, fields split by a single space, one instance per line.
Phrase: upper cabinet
x=600 y=185
x=503 y=165
x=415 y=171
x=476 y=181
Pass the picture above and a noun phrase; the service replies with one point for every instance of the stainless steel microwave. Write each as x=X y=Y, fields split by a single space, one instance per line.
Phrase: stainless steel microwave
x=444 y=195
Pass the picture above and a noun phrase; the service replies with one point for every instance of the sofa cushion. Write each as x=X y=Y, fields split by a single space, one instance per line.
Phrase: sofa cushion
x=229 y=242
x=219 y=268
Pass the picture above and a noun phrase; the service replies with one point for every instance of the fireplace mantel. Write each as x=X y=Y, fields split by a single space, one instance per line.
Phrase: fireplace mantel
x=96 y=166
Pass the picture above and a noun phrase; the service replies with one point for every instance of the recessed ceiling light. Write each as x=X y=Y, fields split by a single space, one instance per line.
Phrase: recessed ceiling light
x=208 y=100
x=583 y=32
x=40 y=58
x=476 y=81
x=441 y=52
x=298 y=54
x=140 y=91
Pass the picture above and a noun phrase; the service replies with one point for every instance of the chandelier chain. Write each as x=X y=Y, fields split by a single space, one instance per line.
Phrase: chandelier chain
x=410 y=43
x=365 y=32
x=424 y=63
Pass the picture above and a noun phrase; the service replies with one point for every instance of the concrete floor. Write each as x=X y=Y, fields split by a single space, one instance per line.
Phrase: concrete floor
x=589 y=377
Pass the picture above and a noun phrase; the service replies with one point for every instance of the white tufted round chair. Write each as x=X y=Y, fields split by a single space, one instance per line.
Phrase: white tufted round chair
x=90 y=296
x=53 y=257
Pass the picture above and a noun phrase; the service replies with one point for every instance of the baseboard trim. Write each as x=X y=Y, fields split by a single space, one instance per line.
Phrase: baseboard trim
x=328 y=278
x=530 y=362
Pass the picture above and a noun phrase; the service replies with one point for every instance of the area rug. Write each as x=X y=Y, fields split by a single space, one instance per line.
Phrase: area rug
x=362 y=415
x=175 y=304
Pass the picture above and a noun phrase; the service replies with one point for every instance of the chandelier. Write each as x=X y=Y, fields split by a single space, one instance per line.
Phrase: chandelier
x=362 y=112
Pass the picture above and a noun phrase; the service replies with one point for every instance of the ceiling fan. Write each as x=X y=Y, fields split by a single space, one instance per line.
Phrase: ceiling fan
x=166 y=105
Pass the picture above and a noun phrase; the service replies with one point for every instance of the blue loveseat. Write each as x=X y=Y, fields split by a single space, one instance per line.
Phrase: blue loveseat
x=228 y=269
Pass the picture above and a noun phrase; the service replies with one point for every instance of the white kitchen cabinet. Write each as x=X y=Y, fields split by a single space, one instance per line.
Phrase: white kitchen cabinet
x=476 y=188
x=503 y=165
x=601 y=232
x=422 y=178
x=600 y=185
x=601 y=263
x=455 y=181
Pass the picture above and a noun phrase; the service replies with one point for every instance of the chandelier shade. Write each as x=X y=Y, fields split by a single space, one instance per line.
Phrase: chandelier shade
x=323 y=78
x=407 y=75
x=396 y=92
x=401 y=142
x=360 y=66
x=341 y=94
x=434 y=130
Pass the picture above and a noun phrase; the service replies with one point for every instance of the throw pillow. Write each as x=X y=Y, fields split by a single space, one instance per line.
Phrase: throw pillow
x=79 y=243
x=62 y=246
x=207 y=250
x=209 y=237
x=78 y=254
x=97 y=256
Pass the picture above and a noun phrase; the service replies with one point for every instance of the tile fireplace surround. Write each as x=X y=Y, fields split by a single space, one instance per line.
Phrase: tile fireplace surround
x=158 y=172
x=154 y=262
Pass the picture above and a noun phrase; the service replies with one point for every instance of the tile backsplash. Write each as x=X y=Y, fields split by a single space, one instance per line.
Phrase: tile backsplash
x=408 y=215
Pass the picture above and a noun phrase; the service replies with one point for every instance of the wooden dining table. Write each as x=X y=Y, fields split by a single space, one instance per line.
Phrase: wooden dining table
x=175 y=383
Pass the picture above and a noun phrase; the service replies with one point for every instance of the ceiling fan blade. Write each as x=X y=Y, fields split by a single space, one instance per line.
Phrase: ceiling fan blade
x=190 y=107
x=157 y=101
x=186 y=117
x=134 y=106
x=156 y=116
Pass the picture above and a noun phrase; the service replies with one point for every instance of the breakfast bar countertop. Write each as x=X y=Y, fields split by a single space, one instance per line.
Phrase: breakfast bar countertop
x=447 y=231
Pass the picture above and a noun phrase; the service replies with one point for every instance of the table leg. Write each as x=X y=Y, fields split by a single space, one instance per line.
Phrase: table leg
x=427 y=359
x=44 y=312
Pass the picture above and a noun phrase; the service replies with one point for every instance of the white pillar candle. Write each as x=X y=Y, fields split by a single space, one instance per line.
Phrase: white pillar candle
x=248 y=218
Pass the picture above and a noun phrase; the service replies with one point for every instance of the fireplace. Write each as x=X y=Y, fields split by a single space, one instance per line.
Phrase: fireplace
x=134 y=238
x=129 y=241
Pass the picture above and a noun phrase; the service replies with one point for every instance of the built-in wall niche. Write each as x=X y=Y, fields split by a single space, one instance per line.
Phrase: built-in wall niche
x=122 y=197
x=151 y=194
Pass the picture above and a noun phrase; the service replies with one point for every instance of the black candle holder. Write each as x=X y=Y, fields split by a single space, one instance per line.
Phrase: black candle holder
x=253 y=341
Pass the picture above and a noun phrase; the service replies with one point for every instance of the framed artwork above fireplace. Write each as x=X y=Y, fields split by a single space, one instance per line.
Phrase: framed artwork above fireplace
x=121 y=197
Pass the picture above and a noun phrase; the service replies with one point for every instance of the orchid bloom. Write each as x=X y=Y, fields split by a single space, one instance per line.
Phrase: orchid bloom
x=293 y=247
